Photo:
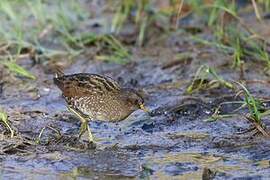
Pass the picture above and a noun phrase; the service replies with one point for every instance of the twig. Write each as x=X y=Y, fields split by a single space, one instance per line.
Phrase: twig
x=258 y=16
x=45 y=31
x=247 y=131
x=265 y=82
x=42 y=131
x=4 y=47
x=178 y=13
x=258 y=126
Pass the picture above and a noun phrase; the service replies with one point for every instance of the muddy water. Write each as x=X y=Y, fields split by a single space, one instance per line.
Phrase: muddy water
x=172 y=142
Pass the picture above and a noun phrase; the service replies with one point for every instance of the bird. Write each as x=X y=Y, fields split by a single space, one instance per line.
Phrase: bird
x=97 y=97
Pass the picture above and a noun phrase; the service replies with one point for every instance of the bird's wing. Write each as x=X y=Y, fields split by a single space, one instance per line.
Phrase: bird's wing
x=86 y=84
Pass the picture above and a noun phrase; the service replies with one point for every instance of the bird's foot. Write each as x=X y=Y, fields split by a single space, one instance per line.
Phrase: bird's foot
x=85 y=127
x=91 y=145
x=79 y=143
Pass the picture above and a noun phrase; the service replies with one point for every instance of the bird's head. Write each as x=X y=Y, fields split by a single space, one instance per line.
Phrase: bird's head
x=133 y=99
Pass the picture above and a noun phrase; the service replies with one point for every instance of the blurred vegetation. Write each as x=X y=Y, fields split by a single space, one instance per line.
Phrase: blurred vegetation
x=37 y=29
x=44 y=28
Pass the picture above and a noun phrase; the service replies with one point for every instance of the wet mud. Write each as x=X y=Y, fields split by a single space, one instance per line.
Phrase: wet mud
x=174 y=140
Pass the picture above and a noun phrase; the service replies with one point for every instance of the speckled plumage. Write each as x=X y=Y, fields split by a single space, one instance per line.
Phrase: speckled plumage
x=96 y=97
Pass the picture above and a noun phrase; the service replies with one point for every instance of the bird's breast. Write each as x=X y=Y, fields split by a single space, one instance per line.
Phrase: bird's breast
x=101 y=108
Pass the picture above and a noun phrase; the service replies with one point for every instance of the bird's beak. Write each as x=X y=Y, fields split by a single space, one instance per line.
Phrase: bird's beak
x=144 y=108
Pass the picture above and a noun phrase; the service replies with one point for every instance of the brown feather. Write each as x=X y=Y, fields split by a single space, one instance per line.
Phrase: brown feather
x=86 y=84
x=98 y=97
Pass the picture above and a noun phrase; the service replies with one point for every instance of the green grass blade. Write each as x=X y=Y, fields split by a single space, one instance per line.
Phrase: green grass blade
x=4 y=120
x=15 y=68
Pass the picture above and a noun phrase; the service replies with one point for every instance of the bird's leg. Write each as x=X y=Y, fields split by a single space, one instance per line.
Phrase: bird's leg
x=90 y=136
x=83 y=128
x=84 y=125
